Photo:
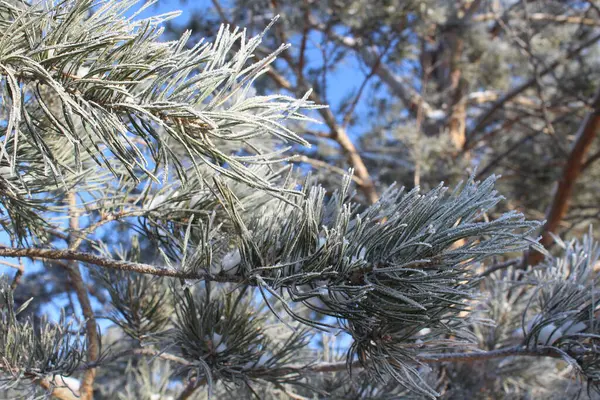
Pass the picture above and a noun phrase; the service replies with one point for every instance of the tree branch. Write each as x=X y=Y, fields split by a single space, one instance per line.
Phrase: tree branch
x=564 y=189
x=327 y=166
x=561 y=19
x=411 y=99
x=329 y=367
x=52 y=254
x=483 y=119
x=337 y=132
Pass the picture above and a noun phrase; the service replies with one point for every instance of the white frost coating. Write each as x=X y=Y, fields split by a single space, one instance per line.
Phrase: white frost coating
x=424 y=331
x=216 y=269
x=231 y=261
x=321 y=242
x=158 y=200
x=571 y=329
x=436 y=115
x=550 y=333
x=216 y=338
x=155 y=202
x=248 y=365
x=157 y=396
x=68 y=382
x=361 y=255
x=5 y=172
x=194 y=200
x=83 y=71
x=263 y=360
x=297 y=268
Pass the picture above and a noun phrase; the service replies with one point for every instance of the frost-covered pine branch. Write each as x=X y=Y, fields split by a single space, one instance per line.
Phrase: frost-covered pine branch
x=160 y=169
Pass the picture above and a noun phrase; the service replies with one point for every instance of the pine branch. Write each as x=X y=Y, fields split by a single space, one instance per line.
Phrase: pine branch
x=70 y=255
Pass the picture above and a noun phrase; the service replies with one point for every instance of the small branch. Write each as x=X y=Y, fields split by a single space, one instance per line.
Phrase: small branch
x=305 y=30
x=337 y=133
x=411 y=99
x=58 y=392
x=487 y=355
x=498 y=266
x=189 y=389
x=19 y=267
x=561 y=19
x=327 y=166
x=220 y=11
x=104 y=219
x=71 y=255
x=18 y=275
x=348 y=116
x=17 y=279
x=137 y=352
x=483 y=119
x=329 y=367
x=592 y=159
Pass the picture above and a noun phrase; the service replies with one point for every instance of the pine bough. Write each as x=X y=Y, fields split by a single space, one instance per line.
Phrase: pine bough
x=171 y=139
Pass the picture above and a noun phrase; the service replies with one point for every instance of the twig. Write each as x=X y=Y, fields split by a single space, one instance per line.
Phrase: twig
x=53 y=254
x=498 y=266
x=561 y=19
x=480 y=123
x=324 y=165
x=337 y=132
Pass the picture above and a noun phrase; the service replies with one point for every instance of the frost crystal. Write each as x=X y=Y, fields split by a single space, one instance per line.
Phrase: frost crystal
x=230 y=261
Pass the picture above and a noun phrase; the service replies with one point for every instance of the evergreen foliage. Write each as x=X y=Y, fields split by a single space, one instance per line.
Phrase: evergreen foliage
x=214 y=268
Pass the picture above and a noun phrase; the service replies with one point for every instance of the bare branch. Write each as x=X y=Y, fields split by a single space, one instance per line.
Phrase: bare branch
x=483 y=119
x=337 y=133
x=327 y=166
x=561 y=19
x=52 y=254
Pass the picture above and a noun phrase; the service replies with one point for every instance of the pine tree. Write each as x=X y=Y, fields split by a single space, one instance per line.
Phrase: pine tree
x=167 y=247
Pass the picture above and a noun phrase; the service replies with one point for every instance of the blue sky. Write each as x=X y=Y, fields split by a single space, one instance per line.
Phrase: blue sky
x=347 y=77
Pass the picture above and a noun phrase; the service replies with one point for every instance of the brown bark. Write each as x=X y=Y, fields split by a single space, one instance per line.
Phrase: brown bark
x=563 y=192
x=87 y=382
x=58 y=390
x=457 y=121
x=458 y=116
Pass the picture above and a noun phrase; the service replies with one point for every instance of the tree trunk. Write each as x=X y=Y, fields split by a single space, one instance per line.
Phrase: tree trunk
x=564 y=188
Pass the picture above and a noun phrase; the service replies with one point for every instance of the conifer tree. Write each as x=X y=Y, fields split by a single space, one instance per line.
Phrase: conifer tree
x=162 y=245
